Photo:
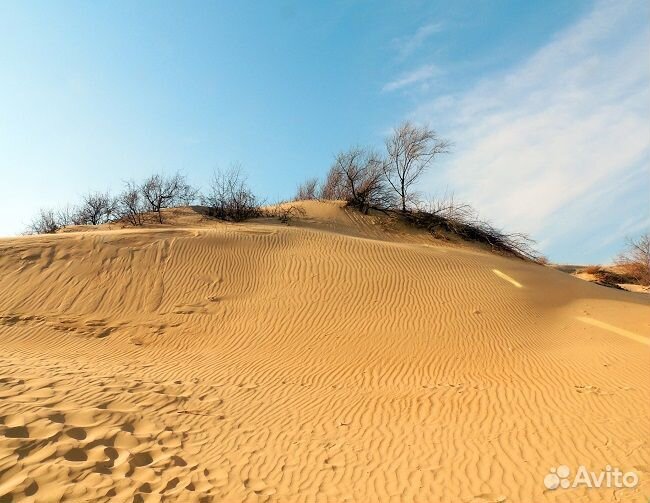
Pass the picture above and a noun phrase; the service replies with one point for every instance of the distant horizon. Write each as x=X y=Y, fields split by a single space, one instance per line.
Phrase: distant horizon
x=546 y=104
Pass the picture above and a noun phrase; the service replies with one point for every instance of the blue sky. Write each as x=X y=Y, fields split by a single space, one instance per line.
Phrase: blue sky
x=547 y=103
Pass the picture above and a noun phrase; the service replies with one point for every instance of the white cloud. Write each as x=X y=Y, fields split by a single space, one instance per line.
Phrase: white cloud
x=533 y=142
x=421 y=76
x=409 y=44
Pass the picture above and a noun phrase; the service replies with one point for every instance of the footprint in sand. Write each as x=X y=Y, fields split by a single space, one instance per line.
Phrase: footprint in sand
x=77 y=433
x=219 y=477
x=211 y=399
x=336 y=461
x=141 y=459
x=259 y=487
x=17 y=432
x=589 y=389
x=92 y=444
x=489 y=498
x=76 y=455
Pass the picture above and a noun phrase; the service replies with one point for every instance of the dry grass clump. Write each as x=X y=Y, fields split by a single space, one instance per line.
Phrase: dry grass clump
x=591 y=269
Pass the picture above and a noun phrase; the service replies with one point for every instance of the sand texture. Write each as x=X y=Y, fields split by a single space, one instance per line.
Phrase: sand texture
x=341 y=358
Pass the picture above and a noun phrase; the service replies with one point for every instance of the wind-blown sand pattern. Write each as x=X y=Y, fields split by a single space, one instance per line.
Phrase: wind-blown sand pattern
x=337 y=359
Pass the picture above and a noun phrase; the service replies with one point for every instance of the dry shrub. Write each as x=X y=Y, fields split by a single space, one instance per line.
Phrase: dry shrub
x=333 y=188
x=285 y=212
x=307 y=190
x=461 y=220
x=96 y=208
x=46 y=222
x=230 y=198
x=635 y=260
x=162 y=191
x=357 y=177
x=543 y=260
x=131 y=204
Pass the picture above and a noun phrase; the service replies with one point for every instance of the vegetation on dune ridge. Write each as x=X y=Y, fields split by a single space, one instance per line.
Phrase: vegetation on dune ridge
x=365 y=178
x=631 y=267
x=369 y=180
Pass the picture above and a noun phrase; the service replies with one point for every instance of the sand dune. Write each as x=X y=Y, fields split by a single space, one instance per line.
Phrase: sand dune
x=342 y=358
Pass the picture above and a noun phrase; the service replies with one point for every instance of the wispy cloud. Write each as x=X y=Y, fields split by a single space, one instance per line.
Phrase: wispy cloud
x=420 y=76
x=535 y=143
x=409 y=44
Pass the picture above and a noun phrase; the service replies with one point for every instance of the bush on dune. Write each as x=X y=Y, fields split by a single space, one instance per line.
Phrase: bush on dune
x=230 y=198
x=363 y=177
x=461 y=220
x=635 y=260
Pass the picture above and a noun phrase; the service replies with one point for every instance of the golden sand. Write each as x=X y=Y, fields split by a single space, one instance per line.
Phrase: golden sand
x=342 y=358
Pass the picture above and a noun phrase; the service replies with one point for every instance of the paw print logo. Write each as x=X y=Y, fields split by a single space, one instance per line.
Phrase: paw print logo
x=559 y=477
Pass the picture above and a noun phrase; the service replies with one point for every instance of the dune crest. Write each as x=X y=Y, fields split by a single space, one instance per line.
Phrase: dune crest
x=341 y=358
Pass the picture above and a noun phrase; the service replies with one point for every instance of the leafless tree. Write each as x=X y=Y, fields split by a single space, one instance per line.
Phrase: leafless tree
x=161 y=191
x=229 y=197
x=333 y=188
x=96 y=208
x=410 y=150
x=66 y=216
x=307 y=190
x=361 y=178
x=636 y=258
x=44 y=223
x=49 y=221
x=131 y=204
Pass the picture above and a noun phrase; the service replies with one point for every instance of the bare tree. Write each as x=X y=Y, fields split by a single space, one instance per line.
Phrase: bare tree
x=44 y=223
x=66 y=216
x=636 y=258
x=307 y=190
x=361 y=178
x=96 y=208
x=131 y=204
x=410 y=151
x=229 y=197
x=160 y=192
x=333 y=188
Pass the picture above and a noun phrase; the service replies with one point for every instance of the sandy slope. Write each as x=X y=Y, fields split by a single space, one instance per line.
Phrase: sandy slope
x=338 y=359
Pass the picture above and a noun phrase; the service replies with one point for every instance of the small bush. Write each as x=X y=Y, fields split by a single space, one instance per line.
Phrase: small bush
x=96 y=208
x=461 y=220
x=161 y=191
x=307 y=190
x=46 y=222
x=635 y=260
x=131 y=204
x=230 y=198
x=357 y=177
x=285 y=212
